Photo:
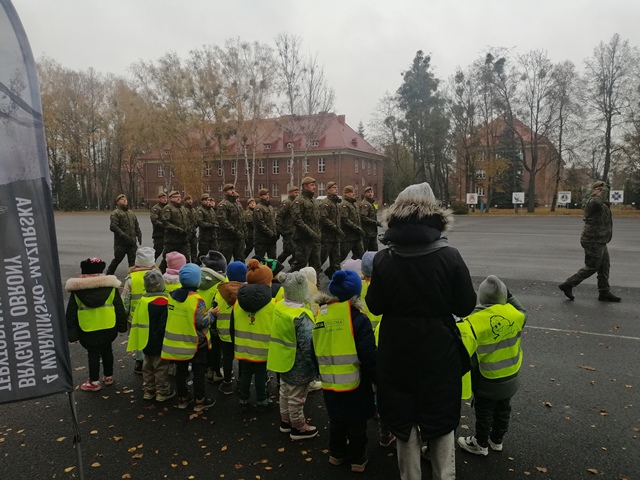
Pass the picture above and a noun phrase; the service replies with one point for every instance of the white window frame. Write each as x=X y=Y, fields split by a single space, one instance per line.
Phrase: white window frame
x=220 y=192
x=260 y=167
x=160 y=170
x=247 y=167
x=355 y=165
x=275 y=190
x=480 y=191
x=305 y=165
x=234 y=167
x=220 y=168
x=315 y=143
x=172 y=173
x=321 y=189
x=267 y=146
x=247 y=191
x=321 y=165
x=275 y=166
x=290 y=145
x=481 y=174
x=289 y=165
x=207 y=169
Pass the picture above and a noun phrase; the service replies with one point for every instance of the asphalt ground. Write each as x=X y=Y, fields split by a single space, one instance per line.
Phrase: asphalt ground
x=575 y=417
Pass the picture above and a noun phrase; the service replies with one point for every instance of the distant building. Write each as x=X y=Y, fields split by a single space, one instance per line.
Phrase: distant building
x=334 y=152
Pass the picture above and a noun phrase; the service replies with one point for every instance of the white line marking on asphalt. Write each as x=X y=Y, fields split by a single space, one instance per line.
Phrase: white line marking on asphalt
x=585 y=333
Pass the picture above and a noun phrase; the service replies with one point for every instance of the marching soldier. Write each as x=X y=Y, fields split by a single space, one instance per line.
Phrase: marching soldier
x=330 y=229
x=191 y=231
x=207 y=225
x=369 y=221
x=176 y=226
x=232 y=228
x=350 y=223
x=264 y=224
x=158 y=224
x=306 y=221
x=248 y=220
x=285 y=224
x=125 y=228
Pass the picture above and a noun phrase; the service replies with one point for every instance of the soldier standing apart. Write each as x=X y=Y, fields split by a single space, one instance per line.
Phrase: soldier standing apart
x=231 y=234
x=597 y=232
x=125 y=228
x=285 y=224
x=331 y=233
x=264 y=224
x=207 y=225
x=191 y=229
x=350 y=223
x=158 y=224
x=248 y=220
x=369 y=221
x=176 y=225
x=306 y=221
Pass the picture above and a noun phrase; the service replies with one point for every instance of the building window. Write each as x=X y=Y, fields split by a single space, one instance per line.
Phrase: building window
x=220 y=168
x=207 y=169
x=160 y=171
x=275 y=167
x=321 y=165
x=260 y=167
x=172 y=173
x=481 y=174
x=363 y=182
x=220 y=192
x=261 y=186
x=369 y=167
x=275 y=190
x=234 y=168
x=247 y=190
x=315 y=143
x=375 y=168
x=208 y=188
x=480 y=191
x=290 y=145
x=267 y=146
x=305 y=165
x=355 y=163
x=161 y=189
x=289 y=165
x=247 y=170
x=321 y=190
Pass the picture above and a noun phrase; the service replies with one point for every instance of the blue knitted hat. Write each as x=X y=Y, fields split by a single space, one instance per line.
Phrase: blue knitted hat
x=345 y=284
x=189 y=275
x=237 y=272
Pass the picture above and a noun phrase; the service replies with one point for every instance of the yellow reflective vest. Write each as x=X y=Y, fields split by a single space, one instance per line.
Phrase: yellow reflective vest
x=181 y=336
x=223 y=320
x=470 y=344
x=208 y=294
x=280 y=295
x=497 y=330
x=137 y=290
x=283 y=344
x=170 y=287
x=375 y=319
x=335 y=347
x=99 y=318
x=139 y=333
x=252 y=332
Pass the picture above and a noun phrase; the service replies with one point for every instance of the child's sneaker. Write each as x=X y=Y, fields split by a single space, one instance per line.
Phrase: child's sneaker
x=337 y=460
x=203 y=404
x=386 y=439
x=218 y=377
x=183 y=402
x=149 y=395
x=495 y=446
x=226 y=388
x=107 y=380
x=285 y=427
x=137 y=367
x=359 y=466
x=306 y=431
x=90 y=386
x=315 y=386
x=470 y=444
x=164 y=398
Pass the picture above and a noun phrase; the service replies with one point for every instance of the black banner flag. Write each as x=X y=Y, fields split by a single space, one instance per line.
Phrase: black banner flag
x=34 y=353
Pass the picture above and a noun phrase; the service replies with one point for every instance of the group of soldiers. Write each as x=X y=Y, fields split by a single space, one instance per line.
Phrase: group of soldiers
x=312 y=232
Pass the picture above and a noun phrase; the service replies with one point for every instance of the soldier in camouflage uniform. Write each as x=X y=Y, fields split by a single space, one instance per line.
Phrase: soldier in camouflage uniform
x=157 y=224
x=331 y=233
x=207 y=225
x=350 y=224
x=176 y=228
x=192 y=230
x=264 y=224
x=126 y=230
x=285 y=224
x=248 y=221
x=597 y=232
x=232 y=228
x=306 y=221
x=369 y=221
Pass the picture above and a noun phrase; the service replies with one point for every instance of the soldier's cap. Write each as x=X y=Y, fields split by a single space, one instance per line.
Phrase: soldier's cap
x=368 y=189
x=293 y=188
x=228 y=186
x=187 y=197
x=331 y=184
x=308 y=180
x=349 y=189
x=251 y=200
x=204 y=196
x=263 y=191
x=174 y=193
x=597 y=184
x=162 y=194
x=122 y=195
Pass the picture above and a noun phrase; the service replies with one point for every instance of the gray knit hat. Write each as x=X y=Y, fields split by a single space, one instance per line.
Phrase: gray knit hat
x=492 y=291
x=367 y=263
x=145 y=257
x=295 y=287
x=153 y=281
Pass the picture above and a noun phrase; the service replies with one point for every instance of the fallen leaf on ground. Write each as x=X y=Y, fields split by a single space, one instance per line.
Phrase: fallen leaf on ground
x=224 y=448
x=137 y=455
x=68 y=469
x=95 y=464
x=126 y=475
x=592 y=470
x=547 y=404
x=586 y=367
x=542 y=469
x=117 y=439
x=60 y=439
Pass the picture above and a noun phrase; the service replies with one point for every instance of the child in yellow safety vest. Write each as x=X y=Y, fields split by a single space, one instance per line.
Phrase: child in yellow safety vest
x=291 y=354
x=214 y=267
x=95 y=315
x=496 y=324
x=346 y=353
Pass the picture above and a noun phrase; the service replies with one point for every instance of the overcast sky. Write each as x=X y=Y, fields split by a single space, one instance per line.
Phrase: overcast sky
x=363 y=44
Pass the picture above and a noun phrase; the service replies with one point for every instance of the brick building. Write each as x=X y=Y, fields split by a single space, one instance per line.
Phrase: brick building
x=336 y=153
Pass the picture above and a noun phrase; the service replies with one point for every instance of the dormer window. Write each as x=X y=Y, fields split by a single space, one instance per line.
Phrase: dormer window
x=267 y=146
x=315 y=143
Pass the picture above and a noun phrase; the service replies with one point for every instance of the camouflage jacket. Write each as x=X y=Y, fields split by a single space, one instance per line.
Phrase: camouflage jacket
x=125 y=228
x=598 y=224
x=207 y=221
x=231 y=221
x=264 y=222
x=368 y=218
x=176 y=223
x=191 y=215
x=350 y=219
x=156 y=221
x=330 y=219
x=283 y=217
x=306 y=217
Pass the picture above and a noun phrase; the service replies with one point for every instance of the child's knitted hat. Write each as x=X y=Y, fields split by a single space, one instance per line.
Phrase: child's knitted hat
x=345 y=284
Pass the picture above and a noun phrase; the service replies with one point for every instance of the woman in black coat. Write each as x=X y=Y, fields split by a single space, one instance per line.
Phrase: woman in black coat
x=417 y=285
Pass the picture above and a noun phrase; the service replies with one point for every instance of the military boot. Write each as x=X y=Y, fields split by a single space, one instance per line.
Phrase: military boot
x=608 y=297
x=567 y=290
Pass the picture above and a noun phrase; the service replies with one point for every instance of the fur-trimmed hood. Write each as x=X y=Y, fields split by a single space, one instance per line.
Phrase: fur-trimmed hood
x=425 y=213
x=85 y=283
x=323 y=298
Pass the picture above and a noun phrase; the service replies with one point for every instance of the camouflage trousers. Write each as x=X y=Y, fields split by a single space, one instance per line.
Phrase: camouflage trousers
x=306 y=253
x=265 y=249
x=182 y=248
x=370 y=244
x=193 y=248
x=119 y=252
x=353 y=246
x=596 y=260
x=330 y=250
x=232 y=248
x=158 y=246
x=205 y=245
x=287 y=249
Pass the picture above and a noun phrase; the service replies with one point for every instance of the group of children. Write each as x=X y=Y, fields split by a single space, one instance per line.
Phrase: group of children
x=198 y=319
